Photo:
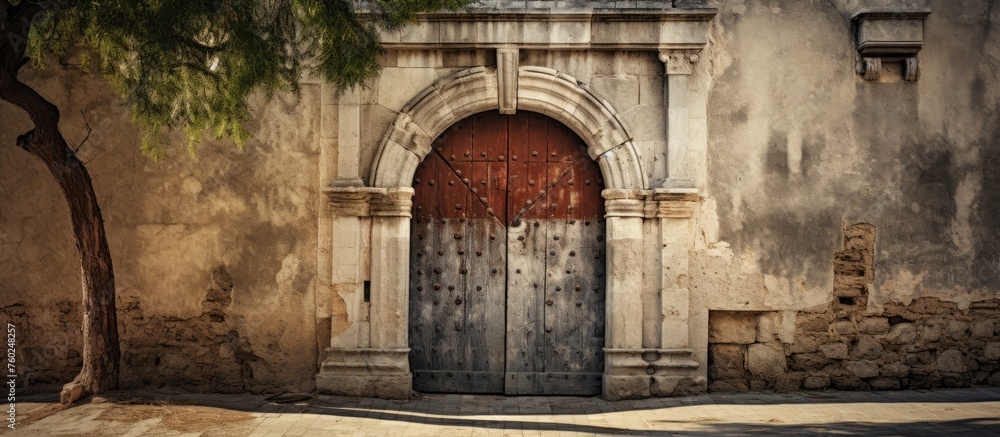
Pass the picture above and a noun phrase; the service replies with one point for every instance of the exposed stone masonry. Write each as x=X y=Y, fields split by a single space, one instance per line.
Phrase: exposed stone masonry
x=852 y=267
x=203 y=353
x=744 y=351
x=45 y=361
x=927 y=343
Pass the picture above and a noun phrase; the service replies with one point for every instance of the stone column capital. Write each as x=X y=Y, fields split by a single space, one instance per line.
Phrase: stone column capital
x=370 y=201
x=350 y=201
x=623 y=202
x=679 y=204
x=393 y=202
x=679 y=61
x=623 y=208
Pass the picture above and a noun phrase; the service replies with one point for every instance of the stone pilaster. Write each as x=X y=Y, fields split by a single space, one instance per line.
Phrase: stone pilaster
x=368 y=354
x=667 y=368
x=678 y=68
x=675 y=212
x=348 y=122
x=390 y=251
x=623 y=323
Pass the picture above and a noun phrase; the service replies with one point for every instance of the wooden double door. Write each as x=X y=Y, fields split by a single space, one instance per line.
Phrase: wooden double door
x=507 y=260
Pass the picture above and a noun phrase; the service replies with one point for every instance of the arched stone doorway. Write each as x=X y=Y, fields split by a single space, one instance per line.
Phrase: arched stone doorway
x=507 y=260
x=371 y=358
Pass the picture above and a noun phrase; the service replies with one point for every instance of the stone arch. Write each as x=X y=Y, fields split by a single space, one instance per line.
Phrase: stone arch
x=474 y=90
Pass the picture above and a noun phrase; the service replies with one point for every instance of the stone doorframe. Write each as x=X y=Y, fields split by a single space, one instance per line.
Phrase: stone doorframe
x=371 y=357
x=655 y=340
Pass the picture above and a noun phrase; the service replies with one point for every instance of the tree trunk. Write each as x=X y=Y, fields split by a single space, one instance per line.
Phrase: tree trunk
x=100 y=326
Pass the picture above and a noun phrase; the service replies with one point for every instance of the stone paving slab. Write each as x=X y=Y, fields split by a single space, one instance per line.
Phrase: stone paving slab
x=967 y=412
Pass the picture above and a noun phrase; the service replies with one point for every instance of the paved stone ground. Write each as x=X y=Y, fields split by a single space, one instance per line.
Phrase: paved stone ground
x=972 y=412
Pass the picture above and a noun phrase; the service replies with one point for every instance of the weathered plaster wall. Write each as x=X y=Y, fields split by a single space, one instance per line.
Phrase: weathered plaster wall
x=177 y=229
x=801 y=147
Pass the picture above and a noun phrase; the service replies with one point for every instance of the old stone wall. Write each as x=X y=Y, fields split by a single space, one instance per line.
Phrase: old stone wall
x=801 y=146
x=172 y=226
x=926 y=343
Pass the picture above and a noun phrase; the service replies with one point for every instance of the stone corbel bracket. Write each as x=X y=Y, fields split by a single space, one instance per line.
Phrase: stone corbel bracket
x=888 y=35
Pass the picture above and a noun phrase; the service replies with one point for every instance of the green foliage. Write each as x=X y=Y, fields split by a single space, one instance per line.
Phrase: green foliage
x=193 y=64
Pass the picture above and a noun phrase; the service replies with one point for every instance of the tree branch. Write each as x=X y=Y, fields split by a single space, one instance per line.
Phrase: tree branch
x=89 y=130
x=43 y=114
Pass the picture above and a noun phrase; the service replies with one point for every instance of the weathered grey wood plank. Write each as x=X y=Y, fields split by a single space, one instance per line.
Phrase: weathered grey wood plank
x=421 y=328
x=458 y=381
x=525 y=303
x=556 y=383
x=485 y=295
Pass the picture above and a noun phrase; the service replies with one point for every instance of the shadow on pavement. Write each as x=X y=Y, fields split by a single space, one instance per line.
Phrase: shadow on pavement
x=499 y=412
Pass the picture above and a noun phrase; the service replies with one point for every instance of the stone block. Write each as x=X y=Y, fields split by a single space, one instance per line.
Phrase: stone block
x=874 y=325
x=990 y=352
x=930 y=333
x=663 y=386
x=729 y=386
x=924 y=381
x=918 y=358
x=981 y=328
x=651 y=90
x=727 y=361
x=843 y=327
x=398 y=85
x=816 y=382
x=951 y=361
x=895 y=370
x=647 y=122
x=467 y=58
x=835 y=351
x=957 y=330
x=790 y=382
x=619 y=387
x=376 y=120
x=761 y=384
x=419 y=58
x=867 y=348
x=902 y=333
x=884 y=384
x=379 y=386
x=328 y=121
x=808 y=361
x=765 y=360
x=862 y=369
x=847 y=382
x=812 y=322
x=732 y=327
x=994 y=379
x=769 y=327
x=621 y=91
x=803 y=345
